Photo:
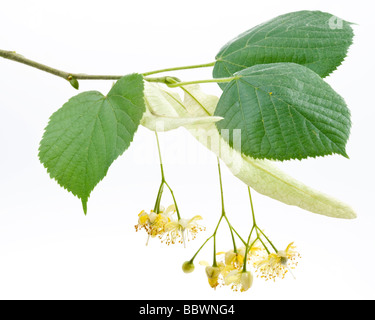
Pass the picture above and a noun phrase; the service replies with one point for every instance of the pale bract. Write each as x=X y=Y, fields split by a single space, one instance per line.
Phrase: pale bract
x=161 y=114
x=261 y=175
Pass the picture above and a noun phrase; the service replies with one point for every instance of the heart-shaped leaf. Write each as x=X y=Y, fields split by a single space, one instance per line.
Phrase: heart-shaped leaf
x=317 y=40
x=284 y=111
x=89 y=132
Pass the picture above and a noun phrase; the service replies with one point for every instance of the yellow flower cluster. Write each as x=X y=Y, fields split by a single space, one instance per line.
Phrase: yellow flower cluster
x=167 y=228
x=154 y=223
x=230 y=271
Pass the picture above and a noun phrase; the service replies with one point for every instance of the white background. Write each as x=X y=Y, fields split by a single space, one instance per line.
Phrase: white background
x=50 y=250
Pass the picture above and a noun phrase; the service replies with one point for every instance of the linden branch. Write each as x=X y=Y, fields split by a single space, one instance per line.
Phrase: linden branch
x=12 y=55
x=74 y=77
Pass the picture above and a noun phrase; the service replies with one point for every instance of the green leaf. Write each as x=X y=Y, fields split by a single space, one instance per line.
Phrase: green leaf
x=315 y=39
x=283 y=111
x=89 y=132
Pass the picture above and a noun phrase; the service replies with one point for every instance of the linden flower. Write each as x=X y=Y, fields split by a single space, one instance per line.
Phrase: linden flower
x=154 y=223
x=256 y=250
x=182 y=230
x=232 y=261
x=276 y=265
x=213 y=274
x=239 y=280
x=236 y=260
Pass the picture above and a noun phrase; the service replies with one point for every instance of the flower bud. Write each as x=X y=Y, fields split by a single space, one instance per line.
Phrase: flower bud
x=188 y=267
x=246 y=280
x=213 y=274
x=239 y=280
x=74 y=82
